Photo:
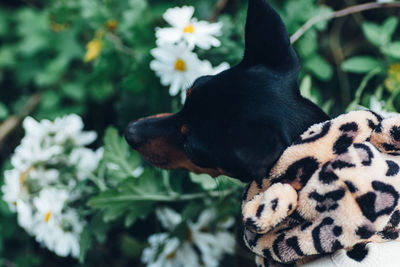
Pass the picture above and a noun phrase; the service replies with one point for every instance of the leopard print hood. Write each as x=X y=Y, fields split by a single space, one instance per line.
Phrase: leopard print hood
x=336 y=187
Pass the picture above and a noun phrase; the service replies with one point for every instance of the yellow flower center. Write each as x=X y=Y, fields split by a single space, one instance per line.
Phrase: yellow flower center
x=47 y=216
x=22 y=177
x=180 y=65
x=189 y=236
x=189 y=29
x=171 y=255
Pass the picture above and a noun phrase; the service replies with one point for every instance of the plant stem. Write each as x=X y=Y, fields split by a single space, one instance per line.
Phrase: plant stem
x=97 y=181
x=168 y=198
x=360 y=89
x=337 y=14
x=13 y=121
x=116 y=40
x=217 y=9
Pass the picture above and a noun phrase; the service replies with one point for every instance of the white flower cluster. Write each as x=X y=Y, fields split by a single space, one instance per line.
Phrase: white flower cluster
x=201 y=247
x=48 y=166
x=175 y=62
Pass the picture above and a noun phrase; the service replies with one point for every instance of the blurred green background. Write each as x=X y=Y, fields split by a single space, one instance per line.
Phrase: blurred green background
x=91 y=57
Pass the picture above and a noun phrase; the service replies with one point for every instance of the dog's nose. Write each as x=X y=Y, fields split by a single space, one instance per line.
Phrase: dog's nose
x=132 y=134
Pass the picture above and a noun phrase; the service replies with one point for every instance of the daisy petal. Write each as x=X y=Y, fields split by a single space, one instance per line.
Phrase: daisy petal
x=168 y=35
x=179 y=17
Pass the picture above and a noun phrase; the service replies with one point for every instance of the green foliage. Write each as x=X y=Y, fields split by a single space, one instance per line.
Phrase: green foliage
x=380 y=35
x=360 y=64
x=44 y=46
x=121 y=162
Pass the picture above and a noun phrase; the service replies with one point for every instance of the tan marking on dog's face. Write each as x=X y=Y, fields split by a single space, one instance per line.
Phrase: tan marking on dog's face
x=162 y=153
x=184 y=129
x=166 y=151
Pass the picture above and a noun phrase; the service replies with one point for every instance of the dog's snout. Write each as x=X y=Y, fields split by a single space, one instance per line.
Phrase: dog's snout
x=146 y=130
x=132 y=134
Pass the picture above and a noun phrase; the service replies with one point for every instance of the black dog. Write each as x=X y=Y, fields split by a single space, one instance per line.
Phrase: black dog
x=240 y=121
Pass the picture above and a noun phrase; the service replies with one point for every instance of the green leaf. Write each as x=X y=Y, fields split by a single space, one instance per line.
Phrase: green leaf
x=7 y=56
x=33 y=28
x=373 y=33
x=66 y=43
x=131 y=217
x=389 y=27
x=101 y=91
x=134 y=196
x=85 y=243
x=359 y=92
x=319 y=67
x=322 y=10
x=225 y=182
x=3 y=23
x=74 y=91
x=204 y=180
x=392 y=50
x=192 y=210
x=120 y=160
x=360 y=64
x=380 y=35
x=308 y=44
x=50 y=100
x=131 y=247
x=305 y=86
x=98 y=228
x=52 y=72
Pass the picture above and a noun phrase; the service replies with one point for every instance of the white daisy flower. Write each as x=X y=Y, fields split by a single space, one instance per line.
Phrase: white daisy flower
x=165 y=251
x=49 y=204
x=86 y=160
x=12 y=188
x=63 y=236
x=68 y=231
x=161 y=251
x=211 y=245
x=34 y=128
x=168 y=218
x=58 y=230
x=43 y=176
x=177 y=66
x=25 y=216
x=32 y=151
x=66 y=244
x=71 y=127
x=184 y=27
x=46 y=167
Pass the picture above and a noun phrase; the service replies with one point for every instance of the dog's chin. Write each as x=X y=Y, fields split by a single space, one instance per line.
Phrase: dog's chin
x=179 y=161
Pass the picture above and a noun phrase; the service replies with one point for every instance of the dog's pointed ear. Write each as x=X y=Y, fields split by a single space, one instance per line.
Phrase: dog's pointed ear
x=267 y=41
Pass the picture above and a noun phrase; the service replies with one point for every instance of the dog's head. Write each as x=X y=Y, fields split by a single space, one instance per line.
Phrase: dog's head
x=237 y=122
